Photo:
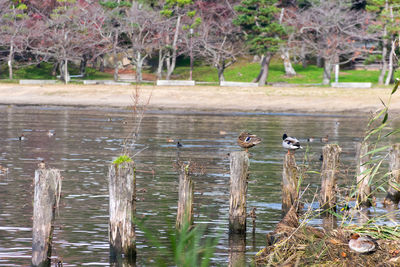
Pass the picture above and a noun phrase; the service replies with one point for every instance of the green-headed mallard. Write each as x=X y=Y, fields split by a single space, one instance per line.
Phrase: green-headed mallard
x=290 y=143
x=247 y=140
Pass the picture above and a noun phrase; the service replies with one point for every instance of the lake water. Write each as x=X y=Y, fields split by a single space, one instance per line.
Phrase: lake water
x=87 y=140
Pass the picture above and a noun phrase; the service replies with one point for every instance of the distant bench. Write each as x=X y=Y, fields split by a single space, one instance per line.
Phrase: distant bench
x=176 y=82
x=351 y=85
x=238 y=84
x=107 y=82
x=37 y=81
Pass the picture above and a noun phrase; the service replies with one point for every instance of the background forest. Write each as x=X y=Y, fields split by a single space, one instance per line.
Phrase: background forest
x=57 y=36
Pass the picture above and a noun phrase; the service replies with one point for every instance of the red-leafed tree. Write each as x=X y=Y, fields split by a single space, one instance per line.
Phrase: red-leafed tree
x=217 y=39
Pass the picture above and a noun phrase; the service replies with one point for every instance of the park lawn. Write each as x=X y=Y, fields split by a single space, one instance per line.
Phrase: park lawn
x=43 y=72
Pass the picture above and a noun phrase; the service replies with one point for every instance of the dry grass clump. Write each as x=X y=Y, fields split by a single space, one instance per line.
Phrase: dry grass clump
x=293 y=244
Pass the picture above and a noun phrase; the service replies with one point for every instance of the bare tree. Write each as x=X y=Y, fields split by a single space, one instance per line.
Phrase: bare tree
x=219 y=40
x=67 y=34
x=140 y=24
x=331 y=30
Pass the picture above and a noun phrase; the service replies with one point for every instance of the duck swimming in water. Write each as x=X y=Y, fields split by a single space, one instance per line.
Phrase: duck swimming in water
x=247 y=140
x=361 y=244
x=290 y=143
x=21 y=137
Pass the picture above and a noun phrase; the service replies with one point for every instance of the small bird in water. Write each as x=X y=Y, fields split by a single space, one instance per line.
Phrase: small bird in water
x=42 y=165
x=325 y=139
x=361 y=244
x=51 y=133
x=310 y=140
x=247 y=140
x=21 y=137
x=290 y=143
x=178 y=145
x=3 y=169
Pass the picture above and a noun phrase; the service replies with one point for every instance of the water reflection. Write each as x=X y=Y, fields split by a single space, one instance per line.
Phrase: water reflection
x=87 y=140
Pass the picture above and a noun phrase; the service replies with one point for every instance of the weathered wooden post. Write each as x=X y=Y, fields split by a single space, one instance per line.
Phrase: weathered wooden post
x=393 y=193
x=290 y=192
x=330 y=164
x=122 y=205
x=237 y=250
x=239 y=164
x=185 y=200
x=46 y=198
x=363 y=175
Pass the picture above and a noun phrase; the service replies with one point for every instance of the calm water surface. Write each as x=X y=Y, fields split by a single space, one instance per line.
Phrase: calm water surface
x=87 y=140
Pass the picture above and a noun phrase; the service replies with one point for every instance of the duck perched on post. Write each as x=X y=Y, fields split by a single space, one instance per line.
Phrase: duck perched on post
x=247 y=140
x=290 y=143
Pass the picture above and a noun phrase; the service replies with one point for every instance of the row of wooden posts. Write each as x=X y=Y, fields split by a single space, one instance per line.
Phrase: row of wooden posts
x=122 y=197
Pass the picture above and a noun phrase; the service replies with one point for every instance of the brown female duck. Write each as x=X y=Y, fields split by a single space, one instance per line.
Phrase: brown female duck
x=247 y=140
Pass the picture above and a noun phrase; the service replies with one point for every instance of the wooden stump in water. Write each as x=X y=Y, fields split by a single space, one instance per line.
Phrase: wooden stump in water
x=393 y=193
x=185 y=201
x=46 y=198
x=237 y=250
x=290 y=193
x=122 y=205
x=363 y=175
x=330 y=165
x=239 y=164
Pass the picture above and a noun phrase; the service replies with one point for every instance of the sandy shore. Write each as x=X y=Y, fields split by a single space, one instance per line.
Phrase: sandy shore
x=210 y=98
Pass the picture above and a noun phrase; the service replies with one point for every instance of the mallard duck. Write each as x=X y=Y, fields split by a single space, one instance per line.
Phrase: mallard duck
x=51 y=133
x=325 y=139
x=21 y=137
x=361 y=244
x=247 y=140
x=3 y=169
x=290 y=143
x=311 y=139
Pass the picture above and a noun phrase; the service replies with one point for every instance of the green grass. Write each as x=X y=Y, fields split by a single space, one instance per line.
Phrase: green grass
x=43 y=72
x=122 y=159
x=243 y=71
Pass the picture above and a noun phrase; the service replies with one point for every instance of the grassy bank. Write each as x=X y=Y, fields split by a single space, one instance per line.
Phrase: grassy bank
x=241 y=71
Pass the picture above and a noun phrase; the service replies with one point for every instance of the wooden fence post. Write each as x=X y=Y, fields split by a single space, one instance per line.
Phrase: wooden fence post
x=122 y=205
x=289 y=183
x=330 y=166
x=46 y=199
x=363 y=176
x=239 y=164
x=393 y=193
x=185 y=201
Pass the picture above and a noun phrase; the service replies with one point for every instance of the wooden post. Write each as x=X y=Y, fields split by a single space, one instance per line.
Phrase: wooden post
x=46 y=198
x=185 y=201
x=393 y=193
x=289 y=183
x=122 y=205
x=239 y=164
x=237 y=250
x=363 y=176
x=330 y=164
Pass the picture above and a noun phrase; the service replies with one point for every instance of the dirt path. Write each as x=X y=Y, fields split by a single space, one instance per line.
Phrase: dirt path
x=212 y=98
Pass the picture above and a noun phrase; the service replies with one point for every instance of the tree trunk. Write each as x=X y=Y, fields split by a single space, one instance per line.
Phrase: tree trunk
x=160 y=64
x=327 y=72
x=221 y=69
x=265 y=67
x=54 y=69
x=289 y=70
x=320 y=62
x=115 y=44
x=139 y=66
x=101 y=67
x=384 y=54
x=389 y=77
x=262 y=63
x=64 y=75
x=171 y=67
x=303 y=56
x=82 y=66
x=10 y=61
